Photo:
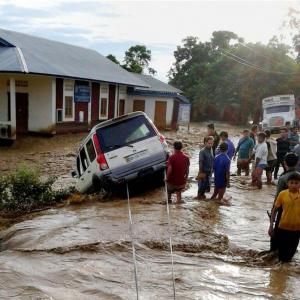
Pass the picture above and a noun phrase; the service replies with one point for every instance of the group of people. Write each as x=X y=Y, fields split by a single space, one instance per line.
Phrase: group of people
x=265 y=154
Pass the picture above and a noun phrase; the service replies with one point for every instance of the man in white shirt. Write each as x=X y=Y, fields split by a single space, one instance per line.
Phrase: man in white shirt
x=260 y=163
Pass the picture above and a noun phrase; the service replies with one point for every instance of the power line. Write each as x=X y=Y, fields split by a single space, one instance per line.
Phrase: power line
x=262 y=55
x=250 y=64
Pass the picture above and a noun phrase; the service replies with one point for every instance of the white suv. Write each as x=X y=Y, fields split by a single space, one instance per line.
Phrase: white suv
x=120 y=150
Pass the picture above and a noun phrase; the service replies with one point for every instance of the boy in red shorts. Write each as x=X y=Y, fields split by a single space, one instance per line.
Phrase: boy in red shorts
x=177 y=172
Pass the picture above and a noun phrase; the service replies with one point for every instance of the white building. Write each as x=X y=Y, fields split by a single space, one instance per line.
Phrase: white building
x=51 y=87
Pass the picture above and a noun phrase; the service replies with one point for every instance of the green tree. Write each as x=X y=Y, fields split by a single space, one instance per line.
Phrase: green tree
x=113 y=59
x=137 y=59
x=226 y=78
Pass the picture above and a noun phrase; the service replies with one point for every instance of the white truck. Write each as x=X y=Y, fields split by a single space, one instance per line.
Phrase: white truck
x=277 y=111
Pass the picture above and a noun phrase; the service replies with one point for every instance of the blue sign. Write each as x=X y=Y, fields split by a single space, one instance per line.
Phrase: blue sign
x=82 y=93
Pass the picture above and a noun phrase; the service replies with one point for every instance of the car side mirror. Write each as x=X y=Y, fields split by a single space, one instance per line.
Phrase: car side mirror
x=74 y=174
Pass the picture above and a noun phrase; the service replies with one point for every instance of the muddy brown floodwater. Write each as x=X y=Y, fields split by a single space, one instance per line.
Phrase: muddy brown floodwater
x=84 y=251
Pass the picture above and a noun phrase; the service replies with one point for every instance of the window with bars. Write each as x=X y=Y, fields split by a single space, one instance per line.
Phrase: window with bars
x=103 y=108
x=69 y=107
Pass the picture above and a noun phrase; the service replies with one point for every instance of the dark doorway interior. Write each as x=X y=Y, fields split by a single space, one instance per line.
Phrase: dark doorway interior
x=21 y=112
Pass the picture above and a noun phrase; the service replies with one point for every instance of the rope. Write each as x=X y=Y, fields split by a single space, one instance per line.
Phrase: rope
x=132 y=243
x=170 y=238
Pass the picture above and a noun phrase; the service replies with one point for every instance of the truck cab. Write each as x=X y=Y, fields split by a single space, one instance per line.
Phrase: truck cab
x=277 y=111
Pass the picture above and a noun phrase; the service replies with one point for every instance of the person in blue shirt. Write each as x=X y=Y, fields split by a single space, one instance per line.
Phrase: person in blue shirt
x=224 y=139
x=222 y=174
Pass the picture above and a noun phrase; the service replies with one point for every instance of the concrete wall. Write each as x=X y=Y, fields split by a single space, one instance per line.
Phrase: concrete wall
x=40 y=106
x=150 y=106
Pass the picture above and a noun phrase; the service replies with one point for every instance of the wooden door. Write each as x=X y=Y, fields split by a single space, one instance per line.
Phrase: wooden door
x=139 y=105
x=111 y=101
x=121 y=107
x=160 y=115
x=21 y=113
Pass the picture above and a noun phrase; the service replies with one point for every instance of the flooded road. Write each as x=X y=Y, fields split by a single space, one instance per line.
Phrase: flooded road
x=84 y=251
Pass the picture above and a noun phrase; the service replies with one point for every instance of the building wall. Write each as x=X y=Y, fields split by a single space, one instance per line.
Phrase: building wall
x=39 y=90
x=3 y=99
x=150 y=106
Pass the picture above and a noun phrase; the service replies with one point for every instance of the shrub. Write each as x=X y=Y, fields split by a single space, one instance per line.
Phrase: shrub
x=23 y=191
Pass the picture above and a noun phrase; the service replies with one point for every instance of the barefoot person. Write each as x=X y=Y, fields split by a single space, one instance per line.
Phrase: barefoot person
x=290 y=164
x=222 y=174
x=288 y=232
x=244 y=151
x=177 y=172
x=260 y=162
x=206 y=160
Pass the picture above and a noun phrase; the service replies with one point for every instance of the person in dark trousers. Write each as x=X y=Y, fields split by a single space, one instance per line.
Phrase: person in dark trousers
x=211 y=132
x=177 y=172
x=290 y=162
x=224 y=139
x=272 y=158
x=253 y=133
x=222 y=174
x=206 y=160
x=283 y=147
x=288 y=232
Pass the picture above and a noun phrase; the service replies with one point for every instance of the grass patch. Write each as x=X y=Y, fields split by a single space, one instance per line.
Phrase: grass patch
x=23 y=191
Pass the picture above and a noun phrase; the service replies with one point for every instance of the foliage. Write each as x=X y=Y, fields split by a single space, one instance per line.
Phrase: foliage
x=113 y=59
x=137 y=59
x=226 y=78
x=23 y=191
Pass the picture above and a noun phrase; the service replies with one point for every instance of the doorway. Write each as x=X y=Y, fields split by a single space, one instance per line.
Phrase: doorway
x=160 y=114
x=21 y=112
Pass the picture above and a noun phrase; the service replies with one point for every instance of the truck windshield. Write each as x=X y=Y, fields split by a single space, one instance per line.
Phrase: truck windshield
x=277 y=109
x=125 y=133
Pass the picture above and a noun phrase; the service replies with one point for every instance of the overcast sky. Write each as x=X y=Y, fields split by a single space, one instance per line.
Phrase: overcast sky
x=114 y=26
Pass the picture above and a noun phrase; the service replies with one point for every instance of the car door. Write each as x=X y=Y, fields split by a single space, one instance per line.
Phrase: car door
x=85 y=176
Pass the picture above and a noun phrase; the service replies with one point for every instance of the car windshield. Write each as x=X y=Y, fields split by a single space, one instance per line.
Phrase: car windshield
x=125 y=133
x=277 y=109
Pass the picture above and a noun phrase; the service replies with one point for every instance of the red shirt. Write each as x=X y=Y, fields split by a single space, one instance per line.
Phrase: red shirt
x=180 y=165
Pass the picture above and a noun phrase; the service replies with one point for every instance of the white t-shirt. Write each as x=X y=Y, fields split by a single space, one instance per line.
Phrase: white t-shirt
x=261 y=151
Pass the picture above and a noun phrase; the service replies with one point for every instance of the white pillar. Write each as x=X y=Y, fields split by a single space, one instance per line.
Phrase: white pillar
x=90 y=106
x=53 y=105
x=13 y=121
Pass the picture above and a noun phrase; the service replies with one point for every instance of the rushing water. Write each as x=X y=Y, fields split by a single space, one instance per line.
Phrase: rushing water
x=84 y=251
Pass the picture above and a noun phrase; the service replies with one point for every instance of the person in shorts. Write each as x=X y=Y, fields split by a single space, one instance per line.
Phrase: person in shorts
x=244 y=152
x=288 y=232
x=177 y=172
x=272 y=158
x=222 y=174
x=260 y=160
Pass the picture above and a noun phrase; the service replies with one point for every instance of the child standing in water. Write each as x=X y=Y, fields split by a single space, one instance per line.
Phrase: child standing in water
x=177 y=172
x=288 y=232
x=222 y=174
x=206 y=160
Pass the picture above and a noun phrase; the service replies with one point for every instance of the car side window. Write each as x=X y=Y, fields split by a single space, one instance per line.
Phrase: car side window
x=79 y=167
x=91 y=150
x=84 y=160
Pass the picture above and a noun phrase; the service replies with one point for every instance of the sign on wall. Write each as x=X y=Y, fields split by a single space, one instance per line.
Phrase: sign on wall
x=82 y=93
x=184 y=114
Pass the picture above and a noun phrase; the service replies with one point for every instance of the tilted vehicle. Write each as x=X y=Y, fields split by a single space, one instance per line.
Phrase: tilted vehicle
x=119 y=150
